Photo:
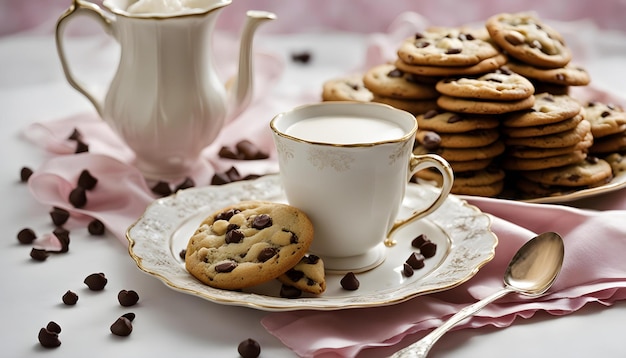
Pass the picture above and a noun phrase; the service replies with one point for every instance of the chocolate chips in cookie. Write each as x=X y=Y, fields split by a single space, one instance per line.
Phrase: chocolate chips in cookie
x=247 y=244
x=308 y=275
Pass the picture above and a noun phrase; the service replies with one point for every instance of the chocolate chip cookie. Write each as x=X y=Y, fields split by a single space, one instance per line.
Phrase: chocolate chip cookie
x=247 y=244
x=547 y=109
x=308 y=275
x=450 y=122
x=498 y=85
x=568 y=75
x=486 y=65
x=585 y=173
x=388 y=81
x=528 y=39
x=347 y=88
x=445 y=47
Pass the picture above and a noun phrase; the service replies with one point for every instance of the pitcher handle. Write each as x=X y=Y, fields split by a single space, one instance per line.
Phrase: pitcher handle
x=80 y=7
x=417 y=163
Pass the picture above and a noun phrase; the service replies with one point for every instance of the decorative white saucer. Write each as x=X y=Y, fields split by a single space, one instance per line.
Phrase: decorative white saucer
x=462 y=233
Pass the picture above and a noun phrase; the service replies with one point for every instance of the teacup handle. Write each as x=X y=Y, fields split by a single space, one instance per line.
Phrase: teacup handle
x=417 y=163
x=80 y=7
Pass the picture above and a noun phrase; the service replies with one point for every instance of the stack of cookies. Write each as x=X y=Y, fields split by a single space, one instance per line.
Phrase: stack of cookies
x=553 y=136
x=536 y=51
x=608 y=125
x=502 y=112
x=470 y=143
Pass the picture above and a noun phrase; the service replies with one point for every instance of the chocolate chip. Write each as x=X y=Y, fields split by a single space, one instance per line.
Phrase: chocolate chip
x=350 y=282
x=26 y=236
x=224 y=267
x=127 y=298
x=233 y=174
x=129 y=316
x=311 y=259
x=186 y=184
x=267 y=253
x=234 y=236
x=560 y=77
x=466 y=37
x=249 y=151
x=605 y=114
x=418 y=35
x=416 y=261
x=430 y=114
x=294 y=237
x=96 y=227
x=39 y=254
x=395 y=73
x=574 y=178
x=227 y=215
x=48 y=338
x=70 y=298
x=64 y=238
x=419 y=241
x=294 y=275
x=86 y=180
x=301 y=57
x=96 y=281
x=422 y=44
x=287 y=291
x=25 y=174
x=454 y=118
x=59 y=216
x=220 y=179
x=454 y=51
x=162 y=189
x=594 y=160
x=183 y=253
x=78 y=197
x=428 y=249
x=81 y=147
x=431 y=140
x=261 y=221
x=122 y=327
x=249 y=348
x=76 y=135
x=407 y=270
x=52 y=326
x=227 y=153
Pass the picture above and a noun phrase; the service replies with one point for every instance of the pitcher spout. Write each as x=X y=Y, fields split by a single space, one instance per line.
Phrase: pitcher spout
x=240 y=91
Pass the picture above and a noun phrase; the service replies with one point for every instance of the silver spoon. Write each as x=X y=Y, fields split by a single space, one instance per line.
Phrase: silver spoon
x=531 y=272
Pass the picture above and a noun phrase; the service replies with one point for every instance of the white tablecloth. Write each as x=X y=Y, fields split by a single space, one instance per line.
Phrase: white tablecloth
x=170 y=323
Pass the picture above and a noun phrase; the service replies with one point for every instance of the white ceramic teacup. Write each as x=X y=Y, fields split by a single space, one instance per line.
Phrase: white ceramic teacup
x=347 y=165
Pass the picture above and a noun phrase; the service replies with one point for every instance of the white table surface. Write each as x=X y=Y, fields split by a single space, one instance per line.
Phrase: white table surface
x=169 y=323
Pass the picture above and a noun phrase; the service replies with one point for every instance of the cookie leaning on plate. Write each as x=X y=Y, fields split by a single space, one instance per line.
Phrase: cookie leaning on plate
x=247 y=244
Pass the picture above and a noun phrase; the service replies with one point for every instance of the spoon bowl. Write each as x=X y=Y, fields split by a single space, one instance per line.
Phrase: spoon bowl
x=531 y=272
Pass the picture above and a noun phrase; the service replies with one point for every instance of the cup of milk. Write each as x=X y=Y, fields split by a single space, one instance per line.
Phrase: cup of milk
x=347 y=165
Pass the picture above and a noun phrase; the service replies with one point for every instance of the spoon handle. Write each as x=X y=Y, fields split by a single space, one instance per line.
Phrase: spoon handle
x=421 y=348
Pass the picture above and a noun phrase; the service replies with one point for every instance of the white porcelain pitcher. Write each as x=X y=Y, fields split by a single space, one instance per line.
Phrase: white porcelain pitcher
x=165 y=100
